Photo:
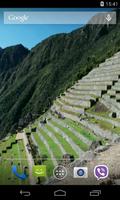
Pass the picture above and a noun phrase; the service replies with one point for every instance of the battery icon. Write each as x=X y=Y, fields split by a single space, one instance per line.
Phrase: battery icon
x=102 y=3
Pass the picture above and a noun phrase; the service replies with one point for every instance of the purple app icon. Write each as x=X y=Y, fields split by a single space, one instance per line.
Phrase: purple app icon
x=101 y=172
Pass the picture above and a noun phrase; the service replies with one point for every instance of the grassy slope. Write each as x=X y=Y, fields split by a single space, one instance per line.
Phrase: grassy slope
x=15 y=156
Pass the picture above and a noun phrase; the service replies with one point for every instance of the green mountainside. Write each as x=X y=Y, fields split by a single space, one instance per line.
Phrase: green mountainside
x=30 y=81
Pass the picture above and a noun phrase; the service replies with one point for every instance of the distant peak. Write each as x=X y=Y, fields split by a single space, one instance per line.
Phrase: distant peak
x=1 y=50
x=20 y=45
x=16 y=47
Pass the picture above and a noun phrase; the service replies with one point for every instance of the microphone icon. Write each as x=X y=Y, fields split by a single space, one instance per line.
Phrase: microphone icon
x=108 y=17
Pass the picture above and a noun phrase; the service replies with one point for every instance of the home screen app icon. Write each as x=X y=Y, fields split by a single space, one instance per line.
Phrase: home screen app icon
x=39 y=171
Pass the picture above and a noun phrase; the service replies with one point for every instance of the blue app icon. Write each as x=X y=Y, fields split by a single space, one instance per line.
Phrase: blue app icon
x=22 y=176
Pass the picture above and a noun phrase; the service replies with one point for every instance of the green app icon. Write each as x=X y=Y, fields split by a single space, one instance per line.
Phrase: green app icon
x=39 y=170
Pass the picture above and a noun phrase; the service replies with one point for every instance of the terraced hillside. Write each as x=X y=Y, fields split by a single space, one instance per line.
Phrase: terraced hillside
x=58 y=138
x=82 y=122
x=94 y=103
x=12 y=152
x=94 y=100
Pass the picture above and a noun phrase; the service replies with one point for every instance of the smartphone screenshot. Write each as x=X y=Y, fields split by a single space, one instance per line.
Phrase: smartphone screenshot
x=60 y=100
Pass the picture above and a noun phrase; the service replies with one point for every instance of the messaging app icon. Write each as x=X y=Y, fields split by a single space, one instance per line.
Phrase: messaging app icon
x=39 y=171
x=101 y=172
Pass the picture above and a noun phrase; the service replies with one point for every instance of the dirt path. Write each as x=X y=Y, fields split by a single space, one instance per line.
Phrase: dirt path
x=30 y=160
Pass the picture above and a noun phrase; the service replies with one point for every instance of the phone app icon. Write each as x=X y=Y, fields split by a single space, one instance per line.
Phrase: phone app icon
x=101 y=172
x=39 y=171
x=21 y=176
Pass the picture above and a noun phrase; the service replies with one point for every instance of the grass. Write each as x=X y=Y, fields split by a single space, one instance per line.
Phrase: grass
x=67 y=111
x=63 y=142
x=27 y=129
x=81 y=130
x=70 y=112
x=75 y=139
x=53 y=146
x=103 y=113
x=117 y=130
x=43 y=150
x=70 y=104
x=7 y=142
x=106 y=125
x=14 y=156
x=103 y=124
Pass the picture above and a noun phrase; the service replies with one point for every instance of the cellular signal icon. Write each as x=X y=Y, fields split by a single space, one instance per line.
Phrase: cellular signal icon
x=102 y=3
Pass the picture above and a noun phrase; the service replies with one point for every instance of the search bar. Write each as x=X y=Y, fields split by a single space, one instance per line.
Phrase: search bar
x=60 y=17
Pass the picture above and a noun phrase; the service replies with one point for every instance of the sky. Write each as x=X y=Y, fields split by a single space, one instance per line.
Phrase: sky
x=29 y=35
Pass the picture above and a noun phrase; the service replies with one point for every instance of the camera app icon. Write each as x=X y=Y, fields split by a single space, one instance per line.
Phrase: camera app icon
x=80 y=172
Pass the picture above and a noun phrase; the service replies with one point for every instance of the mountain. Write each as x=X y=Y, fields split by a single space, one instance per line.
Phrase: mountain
x=0 y=49
x=30 y=81
x=10 y=57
